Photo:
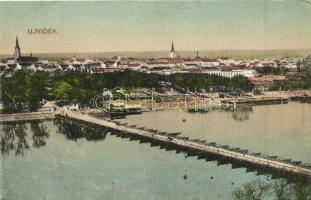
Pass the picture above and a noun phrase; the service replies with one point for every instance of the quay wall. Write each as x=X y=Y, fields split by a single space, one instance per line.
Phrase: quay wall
x=26 y=116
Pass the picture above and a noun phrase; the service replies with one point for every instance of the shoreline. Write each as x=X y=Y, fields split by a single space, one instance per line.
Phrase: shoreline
x=184 y=102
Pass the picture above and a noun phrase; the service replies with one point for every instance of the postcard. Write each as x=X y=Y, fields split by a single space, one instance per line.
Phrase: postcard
x=155 y=100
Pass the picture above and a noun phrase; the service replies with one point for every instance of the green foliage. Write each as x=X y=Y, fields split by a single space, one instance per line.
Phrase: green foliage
x=255 y=190
x=23 y=90
x=83 y=86
x=241 y=82
x=305 y=73
x=274 y=70
x=38 y=89
x=281 y=86
x=279 y=189
x=302 y=191
x=282 y=190
x=306 y=63
x=62 y=90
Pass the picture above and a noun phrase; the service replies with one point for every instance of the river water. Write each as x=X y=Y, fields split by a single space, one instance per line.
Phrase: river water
x=67 y=166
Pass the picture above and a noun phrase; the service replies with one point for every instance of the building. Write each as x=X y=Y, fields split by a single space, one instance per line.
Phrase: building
x=173 y=53
x=266 y=81
x=22 y=60
x=46 y=107
x=17 y=52
x=249 y=73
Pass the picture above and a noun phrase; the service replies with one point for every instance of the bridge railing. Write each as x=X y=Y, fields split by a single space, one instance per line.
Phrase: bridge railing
x=226 y=147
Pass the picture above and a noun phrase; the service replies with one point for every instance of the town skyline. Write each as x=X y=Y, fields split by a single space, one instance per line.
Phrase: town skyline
x=151 y=26
x=232 y=53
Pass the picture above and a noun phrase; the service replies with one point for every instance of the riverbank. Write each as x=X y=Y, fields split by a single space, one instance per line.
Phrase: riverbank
x=206 y=101
x=215 y=101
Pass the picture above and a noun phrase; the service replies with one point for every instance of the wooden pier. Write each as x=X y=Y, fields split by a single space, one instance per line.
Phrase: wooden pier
x=258 y=100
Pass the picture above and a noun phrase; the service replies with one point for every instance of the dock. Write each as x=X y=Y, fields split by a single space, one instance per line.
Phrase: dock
x=257 y=100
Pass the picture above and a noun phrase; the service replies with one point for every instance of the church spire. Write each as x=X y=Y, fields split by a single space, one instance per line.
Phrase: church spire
x=172 y=53
x=17 y=52
x=17 y=45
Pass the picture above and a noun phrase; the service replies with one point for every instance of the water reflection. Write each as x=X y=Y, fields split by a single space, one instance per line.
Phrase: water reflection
x=7 y=138
x=14 y=135
x=39 y=134
x=240 y=115
x=20 y=132
x=281 y=189
x=76 y=130
x=13 y=138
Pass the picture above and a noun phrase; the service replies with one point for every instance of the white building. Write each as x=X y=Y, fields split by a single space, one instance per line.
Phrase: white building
x=229 y=62
x=208 y=64
x=249 y=73
x=201 y=63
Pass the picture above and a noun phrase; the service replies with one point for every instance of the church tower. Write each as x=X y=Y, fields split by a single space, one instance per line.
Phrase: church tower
x=173 y=53
x=17 y=52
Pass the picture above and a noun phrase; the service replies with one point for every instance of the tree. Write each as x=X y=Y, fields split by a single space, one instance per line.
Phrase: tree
x=302 y=190
x=24 y=90
x=15 y=91
x=38 y=89
x=241 y=82
x=255 y=190
x=306 y=63
x=280 y=189
x=283 y=190
x=62 y=90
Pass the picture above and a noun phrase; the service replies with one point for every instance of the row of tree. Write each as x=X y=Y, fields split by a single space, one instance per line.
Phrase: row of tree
x=24 y=90
x=83 y=86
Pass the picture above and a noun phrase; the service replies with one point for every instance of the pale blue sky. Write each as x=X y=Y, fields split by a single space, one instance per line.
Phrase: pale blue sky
x=147 y=26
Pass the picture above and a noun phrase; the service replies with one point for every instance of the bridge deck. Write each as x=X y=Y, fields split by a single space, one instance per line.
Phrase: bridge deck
x=203 y=147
